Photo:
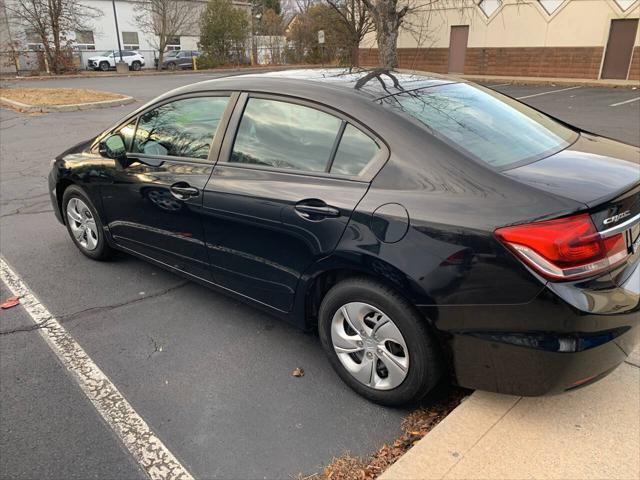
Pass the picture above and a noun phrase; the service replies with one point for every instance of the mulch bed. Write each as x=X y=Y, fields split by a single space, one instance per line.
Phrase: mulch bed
x=414 y=427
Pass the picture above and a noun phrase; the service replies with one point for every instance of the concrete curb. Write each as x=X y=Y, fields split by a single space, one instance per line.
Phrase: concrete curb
x=72 y=107
x=590 y=433
x=586 y=82
x=452 y=438
x=145 y=73
x=555 y=81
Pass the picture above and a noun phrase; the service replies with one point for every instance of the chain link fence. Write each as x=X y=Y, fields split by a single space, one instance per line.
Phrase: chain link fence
x=33 y=62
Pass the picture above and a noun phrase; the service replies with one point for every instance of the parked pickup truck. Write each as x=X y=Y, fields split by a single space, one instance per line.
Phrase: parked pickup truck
x=107 y=60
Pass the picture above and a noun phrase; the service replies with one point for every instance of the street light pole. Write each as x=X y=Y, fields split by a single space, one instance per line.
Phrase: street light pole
x=115 y=16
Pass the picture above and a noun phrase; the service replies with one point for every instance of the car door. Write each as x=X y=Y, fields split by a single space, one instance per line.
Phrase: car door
x=185 y=59
x=152 y=202
x=282 y=193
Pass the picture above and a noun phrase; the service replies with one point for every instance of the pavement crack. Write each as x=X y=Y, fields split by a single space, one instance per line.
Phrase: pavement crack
x=30 y=328
x=20 y=212
x=157 y=347
x=632 y=364
x=106 y=308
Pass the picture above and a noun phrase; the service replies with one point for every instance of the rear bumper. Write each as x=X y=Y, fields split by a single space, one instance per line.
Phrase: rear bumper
x=565 y=338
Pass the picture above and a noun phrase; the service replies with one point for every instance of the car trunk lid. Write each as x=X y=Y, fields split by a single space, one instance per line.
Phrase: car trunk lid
x=602 y=174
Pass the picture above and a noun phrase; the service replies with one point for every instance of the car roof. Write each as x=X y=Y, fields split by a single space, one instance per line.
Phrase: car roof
x=318 y=82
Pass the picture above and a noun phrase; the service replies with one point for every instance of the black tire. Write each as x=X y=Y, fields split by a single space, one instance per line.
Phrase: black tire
x=171 y=66
x=102 y=251
x=136 y=66
x=425 y=365
x=104 y=66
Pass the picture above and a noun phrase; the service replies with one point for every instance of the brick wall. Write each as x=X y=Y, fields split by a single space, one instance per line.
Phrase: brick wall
x=634 y=71
x=572 y=62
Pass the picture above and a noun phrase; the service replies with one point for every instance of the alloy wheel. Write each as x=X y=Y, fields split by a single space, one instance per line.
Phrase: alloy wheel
x=370 y=346
x=83 y=225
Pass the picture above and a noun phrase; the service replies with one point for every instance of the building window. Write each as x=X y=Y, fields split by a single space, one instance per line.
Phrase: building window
x=34 y=42
x=130 y=41
x=625 y=4
x=489 y=7
x=173 y=43
x=550 y=6
x=84 y=40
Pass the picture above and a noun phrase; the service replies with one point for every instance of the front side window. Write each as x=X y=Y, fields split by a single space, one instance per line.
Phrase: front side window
x=127 y=132
x=285 y=135
x=183 y=128
x=487 y=126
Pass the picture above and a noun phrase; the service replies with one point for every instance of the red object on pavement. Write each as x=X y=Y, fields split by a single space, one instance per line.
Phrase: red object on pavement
x=10 y=303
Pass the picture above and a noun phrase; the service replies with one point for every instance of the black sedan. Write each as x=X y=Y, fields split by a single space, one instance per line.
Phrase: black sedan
x=427 y=228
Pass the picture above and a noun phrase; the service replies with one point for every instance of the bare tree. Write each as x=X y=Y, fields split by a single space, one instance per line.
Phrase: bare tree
x=388 y=17
x=51 y=21
x=357 y=22
x=166 y=19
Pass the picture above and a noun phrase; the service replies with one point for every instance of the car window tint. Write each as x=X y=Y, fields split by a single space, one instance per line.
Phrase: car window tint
x=284 y=135
x=355 y=151
x=184 y=128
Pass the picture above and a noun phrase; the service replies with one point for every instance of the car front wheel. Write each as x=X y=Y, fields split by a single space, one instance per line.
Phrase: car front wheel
x=83 y=224
x=136 y=66
x=104 y=66
x=378 y=344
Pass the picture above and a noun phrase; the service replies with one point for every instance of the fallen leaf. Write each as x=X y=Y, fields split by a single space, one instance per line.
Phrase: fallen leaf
x=298 y=372
x=10 y=303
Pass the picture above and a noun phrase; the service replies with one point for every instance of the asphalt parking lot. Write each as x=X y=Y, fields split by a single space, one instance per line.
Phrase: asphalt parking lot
x=211 y=376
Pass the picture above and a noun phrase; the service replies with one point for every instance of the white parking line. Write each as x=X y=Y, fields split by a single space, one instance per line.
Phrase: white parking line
x=148 y=450
x=626 y=101
x=547 y=93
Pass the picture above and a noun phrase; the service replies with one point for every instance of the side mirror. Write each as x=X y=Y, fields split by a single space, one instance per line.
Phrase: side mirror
x=113 y=147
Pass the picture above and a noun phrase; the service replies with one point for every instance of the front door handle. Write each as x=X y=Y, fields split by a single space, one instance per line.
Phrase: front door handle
x=316 y=210
x=183 y=191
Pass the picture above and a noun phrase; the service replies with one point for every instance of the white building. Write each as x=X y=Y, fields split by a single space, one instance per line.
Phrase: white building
x=101 y=36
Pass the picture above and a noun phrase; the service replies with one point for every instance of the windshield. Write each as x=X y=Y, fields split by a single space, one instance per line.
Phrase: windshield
x=489 y=127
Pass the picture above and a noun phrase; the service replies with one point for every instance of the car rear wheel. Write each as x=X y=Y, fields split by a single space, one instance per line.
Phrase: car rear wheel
x=136 y=65
x=171 y=66
x=104 y=66
x=378 y=344
x=83 y=224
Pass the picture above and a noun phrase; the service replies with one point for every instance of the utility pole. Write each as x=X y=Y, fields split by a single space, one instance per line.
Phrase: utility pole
x=115 y=16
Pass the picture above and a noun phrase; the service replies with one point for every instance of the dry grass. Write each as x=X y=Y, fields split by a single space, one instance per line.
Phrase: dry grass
x=415 y=426
x=56 y=96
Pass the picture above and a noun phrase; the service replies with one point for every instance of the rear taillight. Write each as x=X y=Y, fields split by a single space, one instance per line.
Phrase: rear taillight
x=564 y=248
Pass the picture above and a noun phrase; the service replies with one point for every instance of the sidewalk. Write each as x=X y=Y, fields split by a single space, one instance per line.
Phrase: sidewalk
x=590 y=433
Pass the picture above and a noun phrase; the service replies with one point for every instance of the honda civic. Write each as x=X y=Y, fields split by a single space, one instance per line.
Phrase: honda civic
x=427 y=228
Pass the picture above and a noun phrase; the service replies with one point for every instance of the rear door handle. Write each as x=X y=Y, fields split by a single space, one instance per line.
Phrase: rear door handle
x=183 y=191
x=321 y=209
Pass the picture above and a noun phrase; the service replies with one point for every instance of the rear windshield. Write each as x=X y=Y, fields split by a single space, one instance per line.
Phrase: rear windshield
x=489 y=127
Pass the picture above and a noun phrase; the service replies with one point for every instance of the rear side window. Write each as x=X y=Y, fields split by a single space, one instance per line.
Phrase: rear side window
x=354 y=153
x=487 y=126
x=285 y=135
x=184 y=128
